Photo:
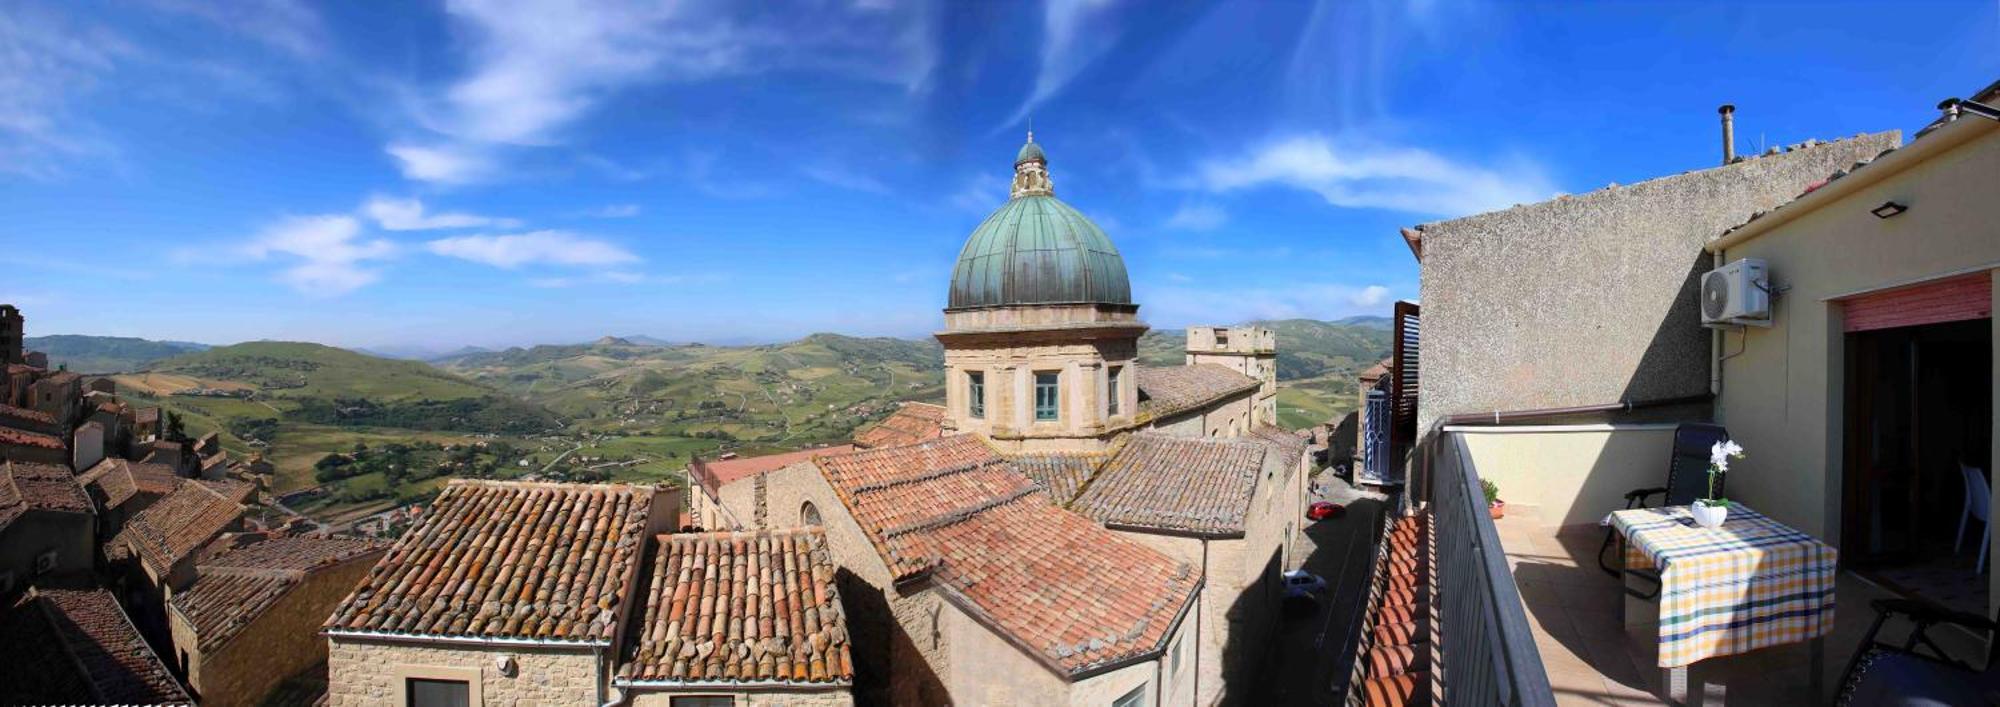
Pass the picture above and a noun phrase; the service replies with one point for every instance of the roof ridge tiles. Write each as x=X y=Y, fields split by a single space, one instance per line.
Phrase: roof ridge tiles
x=927 y=475
x=960 y=514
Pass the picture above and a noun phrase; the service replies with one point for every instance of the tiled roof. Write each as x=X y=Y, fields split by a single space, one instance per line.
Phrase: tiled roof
x=236 y=587
x=72 y=646
x=1293 y=444
x=25 y=418
x=1075 y=594
x=1169 y=390
x=13 y=437
x=1376 y=371
x=911 y=423
x=115 y=481
x=750 y=607
x=25 y=487
x=171 y=529
x=1187 y=484
x=722 y=472
x=496 y=559
x=1061 y=476
x=1392 y=662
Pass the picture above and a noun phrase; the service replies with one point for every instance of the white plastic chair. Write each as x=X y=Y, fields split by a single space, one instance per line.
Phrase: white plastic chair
x=1978 y=504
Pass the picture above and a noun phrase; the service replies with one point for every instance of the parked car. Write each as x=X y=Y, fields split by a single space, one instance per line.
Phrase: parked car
x=1303 y=585
x=1321 y=510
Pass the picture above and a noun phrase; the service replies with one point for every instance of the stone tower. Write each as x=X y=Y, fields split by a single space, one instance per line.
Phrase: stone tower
x=1249 y=350
x=13 y=327
x=1041 y=336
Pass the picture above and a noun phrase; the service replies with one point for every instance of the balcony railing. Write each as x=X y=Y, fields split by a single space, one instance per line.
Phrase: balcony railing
x=1487 y=645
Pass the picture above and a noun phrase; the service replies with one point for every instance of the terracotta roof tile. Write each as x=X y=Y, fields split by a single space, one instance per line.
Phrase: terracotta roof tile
x=13 y=437
x=1189 y=484
x=84 y=650
x=750 y=607
x=495 y=559
x=1292 y=444
x=1061 y=476
x=911 y=423
x=1078 y=595
x=115 y=481
x=171 y=530
x=236 y=587
x=1168 y=390
x=27 y=419
x=25 y=487
x=722 y=472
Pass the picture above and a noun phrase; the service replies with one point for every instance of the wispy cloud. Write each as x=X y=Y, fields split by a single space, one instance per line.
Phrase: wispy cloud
x=442 y=163
x=409 y=215
x=1074 y=34
x=979 y=195
x=613 y=211
x=286 y=25
x=1359 y=174
x=328 y=253
x=46 y=64
x=1180 y=304
x=1198 y=217
x=538 y=247
x=845 y=178
x=623 y=277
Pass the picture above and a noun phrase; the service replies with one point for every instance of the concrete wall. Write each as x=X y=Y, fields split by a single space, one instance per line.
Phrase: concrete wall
x=1783 y=395
x=282 y=642
x=71 y=535
x=366 y=673
x=1592 y=298
x=1573 y=474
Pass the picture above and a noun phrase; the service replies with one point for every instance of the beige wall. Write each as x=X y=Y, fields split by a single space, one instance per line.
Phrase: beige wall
x=280 y=643
x=1084 y=411
x=648 y=697
x=366 y=673
x=1251 y=351
x=1571 y=474
x=1782 y=396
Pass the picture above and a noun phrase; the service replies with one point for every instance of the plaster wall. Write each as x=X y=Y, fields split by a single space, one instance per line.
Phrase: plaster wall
x=1571 y=475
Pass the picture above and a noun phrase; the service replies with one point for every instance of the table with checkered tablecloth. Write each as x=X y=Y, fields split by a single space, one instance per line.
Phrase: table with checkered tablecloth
x=1748 y=584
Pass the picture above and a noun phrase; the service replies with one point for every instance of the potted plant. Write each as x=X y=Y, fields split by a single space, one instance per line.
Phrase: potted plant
x=1710 y=510
x=1494 y=505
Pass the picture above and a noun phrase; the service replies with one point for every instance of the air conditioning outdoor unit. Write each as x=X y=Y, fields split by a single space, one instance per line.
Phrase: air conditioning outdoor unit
x=1737 y=294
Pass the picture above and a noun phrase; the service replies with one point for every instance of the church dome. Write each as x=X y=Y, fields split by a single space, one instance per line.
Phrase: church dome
x=1037 y=250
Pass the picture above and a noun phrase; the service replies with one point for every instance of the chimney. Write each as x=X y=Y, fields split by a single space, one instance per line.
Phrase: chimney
x=1728 y=132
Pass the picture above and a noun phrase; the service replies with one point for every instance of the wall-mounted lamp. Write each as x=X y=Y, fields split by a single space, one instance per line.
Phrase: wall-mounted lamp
x=1887 y=209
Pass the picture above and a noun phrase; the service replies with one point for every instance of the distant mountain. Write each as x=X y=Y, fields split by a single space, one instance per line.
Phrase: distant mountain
x=290 y=369
x=1368 y=320
x=1307 y=348
x=106 y=354
x=643 y=340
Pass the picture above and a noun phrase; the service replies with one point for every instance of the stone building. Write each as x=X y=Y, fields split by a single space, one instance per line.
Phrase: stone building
x=121 y=488
x=13 y=327
x=706 y=479
x=1251 y=351
x=46 y=524
x=447 y=614
x=251 y=618
x=752 y=618
x=1041 y=336
x=19 y=445
x=76 y=646
x=160 y=543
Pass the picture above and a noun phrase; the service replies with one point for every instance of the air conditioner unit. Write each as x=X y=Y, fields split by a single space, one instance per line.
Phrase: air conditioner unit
x=1737 y=294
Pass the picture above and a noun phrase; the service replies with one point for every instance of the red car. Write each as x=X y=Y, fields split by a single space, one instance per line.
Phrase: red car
x=1321 y=510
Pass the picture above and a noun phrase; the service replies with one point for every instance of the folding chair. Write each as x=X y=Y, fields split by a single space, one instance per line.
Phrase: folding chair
x=1687 y=480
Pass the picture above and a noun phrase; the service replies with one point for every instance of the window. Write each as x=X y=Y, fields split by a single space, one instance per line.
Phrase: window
x=975 y=404
x=702 y=701
x=809 y=514
x=439 y=693
x=1176 y=670
x=1112 y=385
x=1046 y=396
x=1222 y=338
x=1135 y=698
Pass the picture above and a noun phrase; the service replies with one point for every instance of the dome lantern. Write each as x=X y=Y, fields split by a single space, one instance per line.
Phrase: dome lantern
x=1037 y=250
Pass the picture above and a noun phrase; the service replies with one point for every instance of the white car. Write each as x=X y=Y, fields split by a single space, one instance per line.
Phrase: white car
x=1303 y=584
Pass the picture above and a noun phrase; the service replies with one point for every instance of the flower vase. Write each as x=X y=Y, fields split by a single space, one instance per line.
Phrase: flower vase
x=1709 y=516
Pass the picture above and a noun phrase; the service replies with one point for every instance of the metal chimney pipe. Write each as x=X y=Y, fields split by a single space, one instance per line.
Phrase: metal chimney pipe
x=1728 y=132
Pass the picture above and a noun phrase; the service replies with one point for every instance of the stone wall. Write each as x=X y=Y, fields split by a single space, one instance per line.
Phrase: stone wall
x=653 y=697
x=280 y=643
x=1592 y=298
x=1083 y=367
x=70 y=535
x=368 y=673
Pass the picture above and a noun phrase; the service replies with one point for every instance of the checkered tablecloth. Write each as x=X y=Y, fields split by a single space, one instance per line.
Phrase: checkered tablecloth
x=1746 y=585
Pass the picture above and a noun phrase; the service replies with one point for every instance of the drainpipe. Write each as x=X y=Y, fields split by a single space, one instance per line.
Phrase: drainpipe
x=1715 y=343
x=1728 y=133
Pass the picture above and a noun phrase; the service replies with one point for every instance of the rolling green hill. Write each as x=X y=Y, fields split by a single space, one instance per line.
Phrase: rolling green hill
x=1307 y=348
x=288 y=369
x=106 y=354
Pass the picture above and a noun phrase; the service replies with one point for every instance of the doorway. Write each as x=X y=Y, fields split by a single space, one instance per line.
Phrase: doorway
x=1919 y=408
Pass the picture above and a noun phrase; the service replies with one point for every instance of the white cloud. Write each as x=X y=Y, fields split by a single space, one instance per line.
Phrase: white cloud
x=286 y=25
x=1064 y=23
x=538 y=247
x=614 y=211
x=442 y=163
x=981 y=195
x=408 y=215
x=846 y=178
x=47 y=63
x=1181 y=305
x=1369 y=296
x=623 y=277
x=1198 y=217
x=329 y=255
x=1358 y=174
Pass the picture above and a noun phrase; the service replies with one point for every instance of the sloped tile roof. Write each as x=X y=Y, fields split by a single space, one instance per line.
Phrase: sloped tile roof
x=25 y=487
x=1188 y=484
x=1293 y=444
x=19 y=438
x=1169 y=390
x=499 y=559
x=748 y=607
x=74 y=646
x=723 y=471
x=911 y=423
x=172 y=529
x=1061 y=476
x=26 y=419
x=1076 y=595
x=236 y=587
x=115 y=481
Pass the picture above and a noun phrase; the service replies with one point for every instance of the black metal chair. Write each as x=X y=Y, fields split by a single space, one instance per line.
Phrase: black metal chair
x=1687 y=480
x=1885 y=674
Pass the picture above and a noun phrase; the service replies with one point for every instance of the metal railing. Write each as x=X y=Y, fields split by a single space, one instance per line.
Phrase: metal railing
x=1488 y=646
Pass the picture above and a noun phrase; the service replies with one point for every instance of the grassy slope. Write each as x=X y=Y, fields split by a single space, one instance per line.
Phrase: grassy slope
x=106 y=354
x=284 y=369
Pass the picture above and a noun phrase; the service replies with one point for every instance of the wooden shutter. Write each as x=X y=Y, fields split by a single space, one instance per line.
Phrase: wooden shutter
x=1403 y=379
x=1950 y=299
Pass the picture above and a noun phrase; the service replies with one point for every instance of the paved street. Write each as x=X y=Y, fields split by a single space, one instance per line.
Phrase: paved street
x=1306 y=665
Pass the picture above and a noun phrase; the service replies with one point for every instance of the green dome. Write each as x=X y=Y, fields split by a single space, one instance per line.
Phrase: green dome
x=1038 y=250
x=1030 y=151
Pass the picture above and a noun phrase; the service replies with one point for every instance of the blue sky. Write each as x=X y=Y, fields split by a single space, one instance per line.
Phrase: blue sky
x=498 y=173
